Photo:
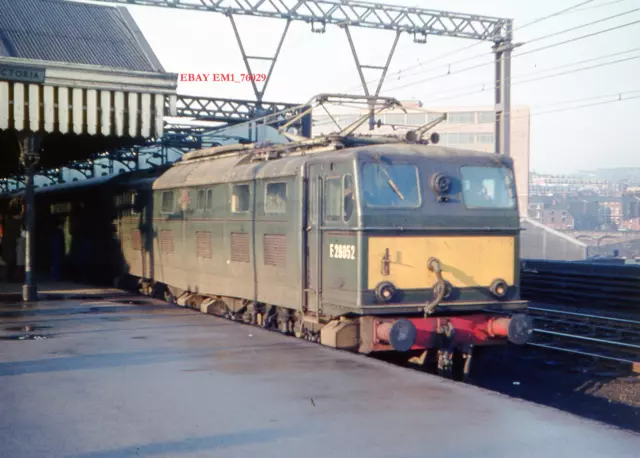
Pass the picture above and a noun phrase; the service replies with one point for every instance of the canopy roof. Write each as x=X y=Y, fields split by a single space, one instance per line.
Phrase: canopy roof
x=81 y=76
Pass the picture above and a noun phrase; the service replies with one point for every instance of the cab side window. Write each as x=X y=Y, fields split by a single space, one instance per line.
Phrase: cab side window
x=349 y=197
x=338 y=198
x=333 y=199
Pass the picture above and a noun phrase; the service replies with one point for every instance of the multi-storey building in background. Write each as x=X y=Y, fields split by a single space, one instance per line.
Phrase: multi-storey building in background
x=591 y=204
x=564 y=184
x=557 y=215
x=465 y=127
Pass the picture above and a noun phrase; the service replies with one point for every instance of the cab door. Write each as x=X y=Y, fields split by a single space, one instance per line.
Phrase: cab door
x=313 y=248
x=331 y=257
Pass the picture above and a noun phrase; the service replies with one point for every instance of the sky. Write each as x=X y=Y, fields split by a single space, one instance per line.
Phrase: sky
x=566 y=141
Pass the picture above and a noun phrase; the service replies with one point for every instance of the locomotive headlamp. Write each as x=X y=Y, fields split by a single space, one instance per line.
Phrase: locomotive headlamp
x=499 y=288
x=441 y=183
x=385 y=291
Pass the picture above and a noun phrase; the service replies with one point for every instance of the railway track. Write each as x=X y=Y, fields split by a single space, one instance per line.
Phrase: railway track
x=605 y=338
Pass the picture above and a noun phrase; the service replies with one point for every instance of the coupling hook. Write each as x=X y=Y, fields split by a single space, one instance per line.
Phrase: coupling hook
x=440 y=288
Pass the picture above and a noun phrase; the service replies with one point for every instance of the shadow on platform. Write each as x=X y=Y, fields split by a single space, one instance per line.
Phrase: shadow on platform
x=194 y=444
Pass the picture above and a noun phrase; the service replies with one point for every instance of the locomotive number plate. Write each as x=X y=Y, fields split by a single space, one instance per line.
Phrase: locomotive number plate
x=340 y=251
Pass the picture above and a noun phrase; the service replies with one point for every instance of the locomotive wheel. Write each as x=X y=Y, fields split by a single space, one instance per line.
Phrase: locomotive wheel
x=457 y=369
x=168 y=297
x=160 y=291
x=271 y=318
x=298 y=327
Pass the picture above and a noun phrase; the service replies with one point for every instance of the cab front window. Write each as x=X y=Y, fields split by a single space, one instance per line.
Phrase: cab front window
x=487 y=187
x=391 y=185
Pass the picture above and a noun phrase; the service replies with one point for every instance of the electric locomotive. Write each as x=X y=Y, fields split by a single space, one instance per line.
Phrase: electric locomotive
x=368 y=244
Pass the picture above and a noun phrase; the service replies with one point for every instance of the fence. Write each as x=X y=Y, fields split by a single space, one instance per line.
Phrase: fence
x=592 y=285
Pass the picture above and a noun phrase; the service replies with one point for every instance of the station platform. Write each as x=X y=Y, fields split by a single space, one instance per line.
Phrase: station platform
x=127 y=376
x=48 y=289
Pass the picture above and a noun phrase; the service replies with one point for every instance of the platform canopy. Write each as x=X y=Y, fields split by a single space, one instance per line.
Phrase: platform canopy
x=80 y=75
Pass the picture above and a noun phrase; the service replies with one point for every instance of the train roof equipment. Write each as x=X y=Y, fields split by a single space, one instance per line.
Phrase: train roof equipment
x=345 y=137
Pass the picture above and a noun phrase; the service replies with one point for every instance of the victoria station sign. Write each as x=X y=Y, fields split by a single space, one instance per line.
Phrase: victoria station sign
x=22 y=74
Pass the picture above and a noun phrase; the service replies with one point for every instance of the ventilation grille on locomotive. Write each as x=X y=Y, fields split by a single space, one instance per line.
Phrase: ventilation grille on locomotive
x=240 y=247
x=166 y=241
x=275 y=250
x=203 y=245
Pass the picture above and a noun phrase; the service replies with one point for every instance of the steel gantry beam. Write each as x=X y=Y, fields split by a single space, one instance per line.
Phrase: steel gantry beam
x=419 y=22
x=361 y=67
x=247 y=59
x=224 y=110
x=233 y=111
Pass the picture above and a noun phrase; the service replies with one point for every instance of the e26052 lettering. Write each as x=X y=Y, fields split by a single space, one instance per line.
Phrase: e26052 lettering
x=340 y=251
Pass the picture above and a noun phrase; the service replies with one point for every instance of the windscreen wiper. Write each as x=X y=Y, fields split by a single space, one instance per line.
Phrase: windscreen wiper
x=390 y=181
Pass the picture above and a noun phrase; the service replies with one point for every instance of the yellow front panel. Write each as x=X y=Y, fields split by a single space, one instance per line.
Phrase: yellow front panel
x=466 y=262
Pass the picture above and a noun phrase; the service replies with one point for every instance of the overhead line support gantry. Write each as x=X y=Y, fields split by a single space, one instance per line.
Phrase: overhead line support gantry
x=419 y=22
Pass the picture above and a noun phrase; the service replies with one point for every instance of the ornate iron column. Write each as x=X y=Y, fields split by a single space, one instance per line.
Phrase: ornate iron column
x=29 y=158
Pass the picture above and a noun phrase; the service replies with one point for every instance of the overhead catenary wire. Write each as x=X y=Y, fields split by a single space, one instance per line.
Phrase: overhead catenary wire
x=581 y=26
x=473 y=45
x=495 y=86
x=558 y=110
x=618 y=94
x=593 y=7
x=620 y=98
x=578 y=107
x=581 y=37
x=484 y=55
x=448 y=65
x=515 y=55
x=538 y=113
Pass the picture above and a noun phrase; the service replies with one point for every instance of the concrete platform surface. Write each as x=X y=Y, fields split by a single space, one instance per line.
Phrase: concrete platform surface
x=123 y=380
x=49 y=288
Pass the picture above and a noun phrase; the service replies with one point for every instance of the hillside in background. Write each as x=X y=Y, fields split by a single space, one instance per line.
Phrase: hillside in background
x=630 y=175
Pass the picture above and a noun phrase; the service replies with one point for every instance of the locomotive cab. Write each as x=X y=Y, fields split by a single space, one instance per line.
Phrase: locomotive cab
x=461 y=214
x=424 y=236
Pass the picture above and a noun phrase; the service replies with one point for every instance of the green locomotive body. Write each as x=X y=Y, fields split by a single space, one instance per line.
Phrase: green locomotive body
x=263 y=230
x=332 y=244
